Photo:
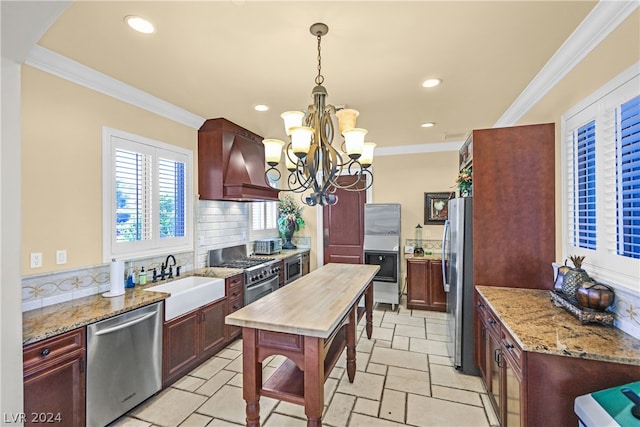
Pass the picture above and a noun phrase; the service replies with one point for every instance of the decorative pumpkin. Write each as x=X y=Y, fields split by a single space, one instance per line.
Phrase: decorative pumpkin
x=596 y=296
x=574 y=278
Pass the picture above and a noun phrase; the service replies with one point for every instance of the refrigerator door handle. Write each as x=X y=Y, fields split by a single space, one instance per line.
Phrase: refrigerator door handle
x=445 y=281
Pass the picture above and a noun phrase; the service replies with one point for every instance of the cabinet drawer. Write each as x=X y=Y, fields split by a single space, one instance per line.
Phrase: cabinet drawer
x=52 y=348
x=234 y=286
x=235 y=304
x=511 y=348
x=492 y=323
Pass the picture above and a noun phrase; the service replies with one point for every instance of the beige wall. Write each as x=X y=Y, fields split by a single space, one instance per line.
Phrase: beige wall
x=615 y=54
x=62 y=165
x=405 y=178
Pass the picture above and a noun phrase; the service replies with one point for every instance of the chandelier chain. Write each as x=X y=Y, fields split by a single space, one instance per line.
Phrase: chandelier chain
x=319 y=77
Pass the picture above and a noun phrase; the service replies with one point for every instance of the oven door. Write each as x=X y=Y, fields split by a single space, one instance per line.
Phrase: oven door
x=388 y=262
x=292 y=269
x=260 y=289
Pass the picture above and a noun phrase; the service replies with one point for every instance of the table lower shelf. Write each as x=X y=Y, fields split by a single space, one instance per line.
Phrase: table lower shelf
x=287 y=381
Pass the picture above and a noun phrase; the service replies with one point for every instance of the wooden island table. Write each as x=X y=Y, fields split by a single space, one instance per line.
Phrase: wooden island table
x=309 y=321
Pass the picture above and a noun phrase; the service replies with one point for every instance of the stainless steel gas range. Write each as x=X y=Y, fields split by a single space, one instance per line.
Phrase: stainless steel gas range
x=260 y=273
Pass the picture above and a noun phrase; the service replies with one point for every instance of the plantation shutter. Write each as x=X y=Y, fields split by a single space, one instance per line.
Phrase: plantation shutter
x=628 y=179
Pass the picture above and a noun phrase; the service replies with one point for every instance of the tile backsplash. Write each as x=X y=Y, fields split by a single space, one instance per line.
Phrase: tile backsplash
x=52 y=288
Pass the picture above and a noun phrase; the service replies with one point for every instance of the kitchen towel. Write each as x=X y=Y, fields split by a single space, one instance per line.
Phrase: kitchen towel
x=116 y=279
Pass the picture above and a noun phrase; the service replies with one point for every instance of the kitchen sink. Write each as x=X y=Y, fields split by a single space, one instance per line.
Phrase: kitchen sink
x=189 y=293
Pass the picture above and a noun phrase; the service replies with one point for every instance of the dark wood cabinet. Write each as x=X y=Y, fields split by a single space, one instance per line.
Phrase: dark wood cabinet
x=192 y=338
x=231 y=163
x=235 y=301
x=527 y=388
x=306 y=263
x=514 y=206
x=54 y=380
x=425 y=288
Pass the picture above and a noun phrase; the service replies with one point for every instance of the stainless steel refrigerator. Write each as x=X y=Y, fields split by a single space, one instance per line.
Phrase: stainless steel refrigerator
x=457 y=271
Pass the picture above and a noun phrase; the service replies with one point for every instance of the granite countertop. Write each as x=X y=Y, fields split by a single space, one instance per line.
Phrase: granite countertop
x=539 y=326
x=432 y=257
x=56 y=319
x=313 y=305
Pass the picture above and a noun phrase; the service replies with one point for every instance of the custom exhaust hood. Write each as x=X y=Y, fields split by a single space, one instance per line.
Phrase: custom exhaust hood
x=231 y=163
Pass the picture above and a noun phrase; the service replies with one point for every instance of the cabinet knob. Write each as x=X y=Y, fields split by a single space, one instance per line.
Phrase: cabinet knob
x=508 y=346
x=45 y=352
x=236 y=307
x=493 y=322
x=480 y=305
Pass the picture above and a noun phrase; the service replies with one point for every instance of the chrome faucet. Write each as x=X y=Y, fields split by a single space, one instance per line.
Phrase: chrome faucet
x=164 y=266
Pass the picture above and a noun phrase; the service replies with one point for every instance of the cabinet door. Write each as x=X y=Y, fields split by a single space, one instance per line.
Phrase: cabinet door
x=494 y=367
x=212 y=327
x=180 y=346
x=417 y=293
x=55 y=394
x=512 y=397
x=437 y=296
x=306 y=263
x=482 y=343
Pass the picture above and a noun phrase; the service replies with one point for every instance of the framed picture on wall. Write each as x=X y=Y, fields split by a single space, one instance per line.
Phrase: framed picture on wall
x=436 y=207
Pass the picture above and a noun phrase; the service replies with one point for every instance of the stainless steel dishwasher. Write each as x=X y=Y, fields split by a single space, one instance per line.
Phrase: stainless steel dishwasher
x=124 y=363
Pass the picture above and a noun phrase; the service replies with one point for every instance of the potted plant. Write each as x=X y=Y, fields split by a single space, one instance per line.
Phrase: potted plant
x=289 y=220
x=464 y=182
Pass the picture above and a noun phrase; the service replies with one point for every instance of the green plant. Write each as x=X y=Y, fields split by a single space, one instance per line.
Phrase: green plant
x=464 y=179
x=289 y=211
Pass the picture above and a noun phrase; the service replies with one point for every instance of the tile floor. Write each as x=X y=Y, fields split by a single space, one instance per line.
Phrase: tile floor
x=404 y=377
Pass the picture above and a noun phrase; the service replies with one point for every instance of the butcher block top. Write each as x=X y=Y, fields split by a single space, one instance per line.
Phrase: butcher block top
x=313 y=305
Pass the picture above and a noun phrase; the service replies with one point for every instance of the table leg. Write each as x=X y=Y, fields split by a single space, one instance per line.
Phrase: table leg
x=313 y=380
x=251 y=376
x=368 y=305
x=351 y=343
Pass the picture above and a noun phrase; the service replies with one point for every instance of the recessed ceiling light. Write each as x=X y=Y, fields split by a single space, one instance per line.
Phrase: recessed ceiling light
x=428 y=124
x=261 y=107
x=431 y=82
x=141 y=25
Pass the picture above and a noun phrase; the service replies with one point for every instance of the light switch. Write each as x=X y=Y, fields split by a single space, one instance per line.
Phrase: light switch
x=36 y=259
x=61 y=256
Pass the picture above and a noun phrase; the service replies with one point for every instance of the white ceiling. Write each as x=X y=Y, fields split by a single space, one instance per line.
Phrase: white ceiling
x=220 y=58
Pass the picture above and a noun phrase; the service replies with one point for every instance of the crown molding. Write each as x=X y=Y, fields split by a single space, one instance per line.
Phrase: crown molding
x=65 y=68
x=602 y=21
x=418 y=148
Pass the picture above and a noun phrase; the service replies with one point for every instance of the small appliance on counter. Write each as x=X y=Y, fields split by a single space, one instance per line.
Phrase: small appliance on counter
x=268 y=246
x=615 y=406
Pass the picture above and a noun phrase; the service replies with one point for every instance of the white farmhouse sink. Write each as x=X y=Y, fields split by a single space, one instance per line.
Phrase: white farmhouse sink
x=188 y=294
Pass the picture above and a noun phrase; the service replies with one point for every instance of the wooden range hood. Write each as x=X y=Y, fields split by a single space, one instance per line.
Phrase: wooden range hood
x=231 y=163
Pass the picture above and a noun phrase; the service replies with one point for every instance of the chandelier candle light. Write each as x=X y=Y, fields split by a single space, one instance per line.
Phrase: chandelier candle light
x=313 y=163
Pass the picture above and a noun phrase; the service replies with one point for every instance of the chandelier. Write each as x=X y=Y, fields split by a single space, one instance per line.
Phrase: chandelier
x=313 y=162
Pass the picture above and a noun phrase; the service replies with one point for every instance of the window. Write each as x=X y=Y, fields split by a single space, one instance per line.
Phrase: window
x=147 y=196
x=602 y=181
x=264 y=219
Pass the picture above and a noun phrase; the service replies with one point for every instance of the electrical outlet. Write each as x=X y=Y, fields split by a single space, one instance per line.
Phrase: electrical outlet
x=61 y=256
x=36 y=259
x=427 y=233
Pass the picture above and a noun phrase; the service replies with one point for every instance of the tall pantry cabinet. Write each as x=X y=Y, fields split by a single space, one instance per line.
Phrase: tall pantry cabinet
x=513 y=246
x=514 y=206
